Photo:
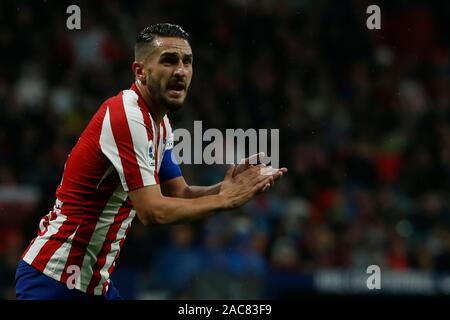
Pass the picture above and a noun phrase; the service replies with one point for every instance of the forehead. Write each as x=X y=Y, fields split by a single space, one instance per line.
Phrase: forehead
x=170 y=44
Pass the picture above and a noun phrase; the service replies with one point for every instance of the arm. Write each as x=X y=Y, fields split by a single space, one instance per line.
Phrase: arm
x=124 y=141
x=178 y=187
x=153 y=207
x=174 y=185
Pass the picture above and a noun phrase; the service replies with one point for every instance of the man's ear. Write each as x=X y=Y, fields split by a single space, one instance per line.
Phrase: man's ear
x=139 y=72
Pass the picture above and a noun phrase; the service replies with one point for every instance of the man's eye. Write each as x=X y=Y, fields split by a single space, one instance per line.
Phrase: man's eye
x=169 y=60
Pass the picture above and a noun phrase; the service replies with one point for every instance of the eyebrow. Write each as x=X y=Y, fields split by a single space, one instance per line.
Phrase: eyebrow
x=175 y=54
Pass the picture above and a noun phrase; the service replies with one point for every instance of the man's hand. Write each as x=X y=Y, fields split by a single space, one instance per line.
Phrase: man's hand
x=237 y=190
x=246 y=163
x=153 y=207
x=254 y=160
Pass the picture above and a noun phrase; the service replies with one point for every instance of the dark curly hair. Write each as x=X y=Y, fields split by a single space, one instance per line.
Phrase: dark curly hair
x=148 y=34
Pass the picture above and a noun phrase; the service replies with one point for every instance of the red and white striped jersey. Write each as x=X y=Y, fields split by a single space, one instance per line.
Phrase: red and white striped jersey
x=120 y=150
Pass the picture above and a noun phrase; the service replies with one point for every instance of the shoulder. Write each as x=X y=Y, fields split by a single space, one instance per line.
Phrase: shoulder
x=124 y=99
x=124 y=106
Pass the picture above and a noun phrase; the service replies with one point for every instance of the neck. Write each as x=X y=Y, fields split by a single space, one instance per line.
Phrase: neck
x=156 y=109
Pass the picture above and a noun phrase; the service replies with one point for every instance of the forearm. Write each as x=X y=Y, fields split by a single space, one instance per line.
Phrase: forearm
x=175 y=210
x=201 y=191
x=154 y=206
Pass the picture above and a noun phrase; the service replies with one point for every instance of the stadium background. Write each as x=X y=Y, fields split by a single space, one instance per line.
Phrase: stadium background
x=363 y=117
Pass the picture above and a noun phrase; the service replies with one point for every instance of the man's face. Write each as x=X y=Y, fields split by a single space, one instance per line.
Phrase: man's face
x=169 y=71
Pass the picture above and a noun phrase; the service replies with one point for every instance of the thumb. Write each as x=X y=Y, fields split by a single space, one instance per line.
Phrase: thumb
x=229 y=174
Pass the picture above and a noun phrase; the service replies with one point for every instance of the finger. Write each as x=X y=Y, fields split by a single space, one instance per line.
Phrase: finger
x=263 y=179
x=258 y=179
x=255 y=179
x=229 y=173
x=268 y=171
x=250 y=174
x=253 y=159
x=254 y=170
x=269 y=185
x=277 y=173
x=252 y=178
x=260 y=185
x=281 y=172
x=276 y=176
x=234 y=171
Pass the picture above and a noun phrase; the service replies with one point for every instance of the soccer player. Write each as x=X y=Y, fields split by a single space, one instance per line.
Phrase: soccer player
x=121 y=167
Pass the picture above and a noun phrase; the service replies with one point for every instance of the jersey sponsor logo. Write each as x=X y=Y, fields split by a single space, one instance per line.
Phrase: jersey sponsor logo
x=151 y=154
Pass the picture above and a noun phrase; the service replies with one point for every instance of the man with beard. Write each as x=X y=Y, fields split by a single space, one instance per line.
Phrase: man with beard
x=121 y=167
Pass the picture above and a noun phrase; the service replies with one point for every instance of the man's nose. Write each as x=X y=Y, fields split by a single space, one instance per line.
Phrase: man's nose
x=180 y=70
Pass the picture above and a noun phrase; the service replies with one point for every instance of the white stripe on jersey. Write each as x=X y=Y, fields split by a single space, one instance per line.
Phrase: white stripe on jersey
x=161 y=144
x=98 y=237
x=115 y=247
x=40 y=241
x=139 y=136
x=56 y=264
x=109 y=147
x=169 y=134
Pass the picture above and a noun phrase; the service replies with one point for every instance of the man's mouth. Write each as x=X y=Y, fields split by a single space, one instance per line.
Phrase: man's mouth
x=176 y=88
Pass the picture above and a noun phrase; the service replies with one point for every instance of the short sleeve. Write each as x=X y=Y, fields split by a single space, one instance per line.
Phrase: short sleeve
x=125 y=141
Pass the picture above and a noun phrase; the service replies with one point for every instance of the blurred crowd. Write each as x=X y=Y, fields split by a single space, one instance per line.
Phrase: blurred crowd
x=364 y=131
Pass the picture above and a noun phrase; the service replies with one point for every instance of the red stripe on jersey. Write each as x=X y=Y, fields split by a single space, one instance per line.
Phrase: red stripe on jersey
x=110 y=237
x=87 y=226
x=104 y=291
x=141 y=101
x=148 y=123
x=164 y=130
x=46 y=221
x=111 y=268
x=122 y=136
x=145 y=112
x=156 y=151
x=54 y=243
x=145 y=109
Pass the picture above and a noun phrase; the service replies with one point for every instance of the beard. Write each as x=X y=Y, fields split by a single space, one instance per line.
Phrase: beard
x=170 y=105
x=156 y=91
